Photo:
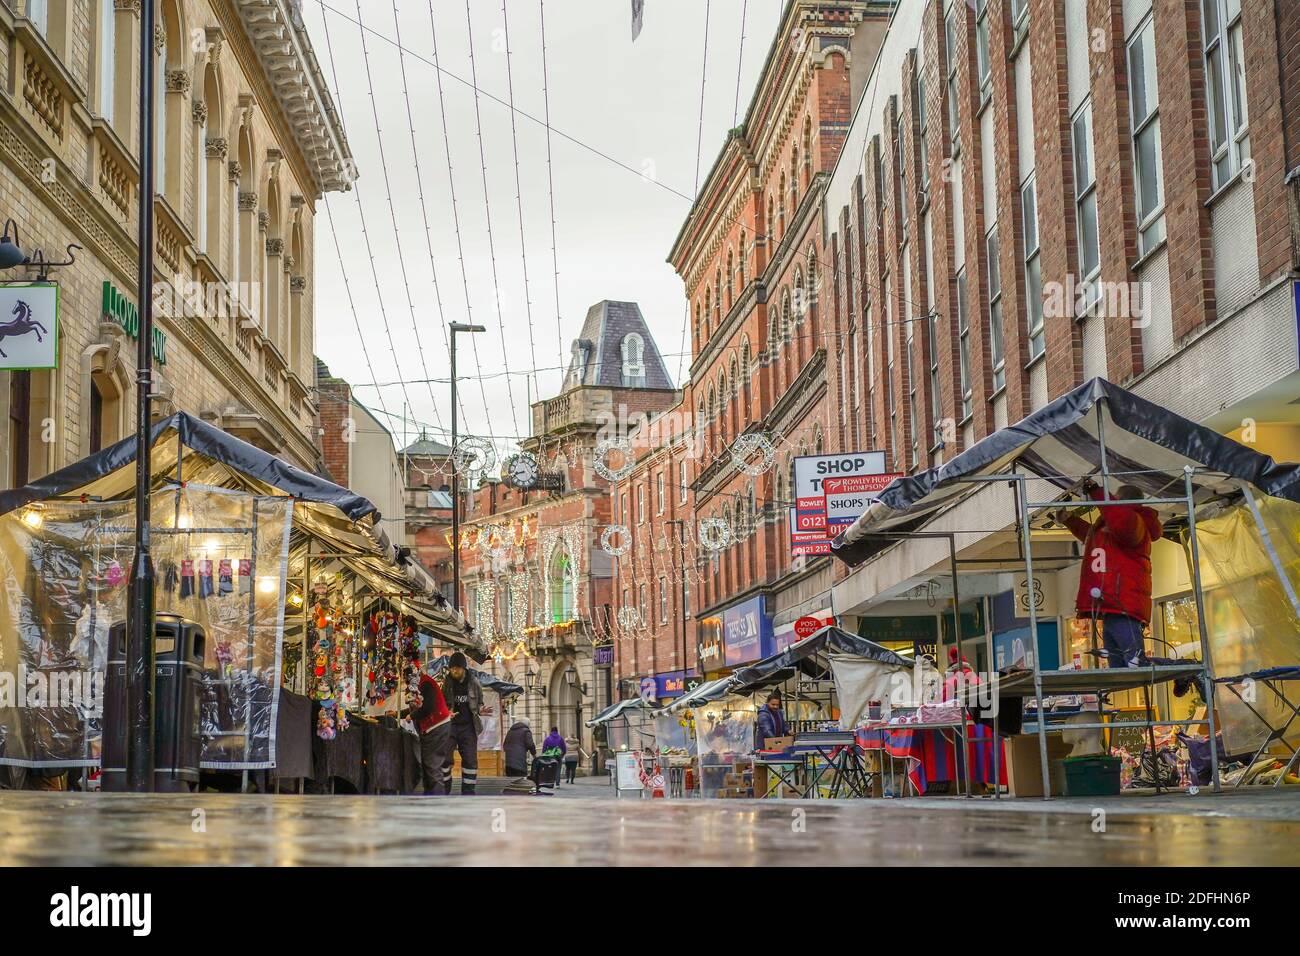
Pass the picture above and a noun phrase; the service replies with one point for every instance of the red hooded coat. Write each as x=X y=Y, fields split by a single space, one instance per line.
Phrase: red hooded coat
x=1117 y=559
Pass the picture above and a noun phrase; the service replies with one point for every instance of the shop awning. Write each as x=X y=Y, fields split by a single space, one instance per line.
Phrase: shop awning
x=704 y=694
x=619 y=709
x=502 y=687
x=189 y=451
x=1146 y=445
x=829 y=640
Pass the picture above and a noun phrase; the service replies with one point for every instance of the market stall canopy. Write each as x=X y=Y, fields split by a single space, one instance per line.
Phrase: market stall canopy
x=826 y=643
x=503 y=688
x=189 y=450
x=704 y=694
x=619 y=709
x=1146 y=445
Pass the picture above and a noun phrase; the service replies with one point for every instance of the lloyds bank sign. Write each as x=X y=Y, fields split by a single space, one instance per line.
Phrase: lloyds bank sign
x=120 y=310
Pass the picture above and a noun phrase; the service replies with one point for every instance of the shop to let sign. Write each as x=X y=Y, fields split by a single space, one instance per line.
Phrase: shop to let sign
x=847 y=498
x=29 y=325
x=811 y=526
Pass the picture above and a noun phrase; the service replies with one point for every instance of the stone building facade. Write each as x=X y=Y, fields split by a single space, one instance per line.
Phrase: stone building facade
x=247 y=143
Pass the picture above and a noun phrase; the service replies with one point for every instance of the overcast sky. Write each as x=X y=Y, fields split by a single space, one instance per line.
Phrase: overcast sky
x=638 y=102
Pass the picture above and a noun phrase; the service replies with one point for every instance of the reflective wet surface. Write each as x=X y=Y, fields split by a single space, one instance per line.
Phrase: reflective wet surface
x=585 y=826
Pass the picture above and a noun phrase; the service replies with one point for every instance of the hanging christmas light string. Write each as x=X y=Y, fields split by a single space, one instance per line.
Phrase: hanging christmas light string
x=455 y=215
x=699 y=149
x=519 y=193
x=365 y=232
x=424 y=210
x=550 y=183
x=487 y=215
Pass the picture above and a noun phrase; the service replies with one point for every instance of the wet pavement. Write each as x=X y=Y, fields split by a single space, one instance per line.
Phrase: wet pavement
x=585 y=825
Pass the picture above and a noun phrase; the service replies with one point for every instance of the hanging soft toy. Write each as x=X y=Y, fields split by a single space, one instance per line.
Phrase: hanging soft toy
x=341 y=718
x=325 y=724
x=225 y=655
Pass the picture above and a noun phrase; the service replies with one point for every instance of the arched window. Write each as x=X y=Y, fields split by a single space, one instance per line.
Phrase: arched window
x=712 y=404
x=785 y=315
x=708 y=310
x=244 y=208
x=722 y=404
x=794 y=179
x=771 y=220
x=700 y=422
x=211 y=154
x=106 y=59
x=735 y=378
x=746 y=367
x=633 y=349
x=780 y=206
x=171 y=99
x=717 y=295
x=812 y=273
x=744 y=254
x=807 y=150
x=731 y=279
x=273 y=268
x=800 y=301
x=698 y=342
x=297 y=286
x=817 y=438
x=562 y=586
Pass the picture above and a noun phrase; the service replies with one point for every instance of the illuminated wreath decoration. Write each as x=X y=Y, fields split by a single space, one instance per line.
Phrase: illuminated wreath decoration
x=473 y=457
x=601 y=452
x=746 y=447
x=607 y=543
x=715 y=534
x=629 y=617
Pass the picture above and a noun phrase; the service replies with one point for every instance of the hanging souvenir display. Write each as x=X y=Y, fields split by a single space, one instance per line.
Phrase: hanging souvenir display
x=325 y=729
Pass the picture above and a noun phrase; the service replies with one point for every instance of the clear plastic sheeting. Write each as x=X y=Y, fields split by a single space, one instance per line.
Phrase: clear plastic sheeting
x=219 y=559
x=724 y=737
x=674 y=734
x=1250 y=570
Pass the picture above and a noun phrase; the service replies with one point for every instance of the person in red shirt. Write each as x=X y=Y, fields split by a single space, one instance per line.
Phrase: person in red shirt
x=432 y=719
x=1115 y=581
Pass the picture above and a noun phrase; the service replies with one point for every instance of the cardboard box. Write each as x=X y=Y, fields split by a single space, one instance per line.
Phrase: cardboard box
x=1025 y=766
x=778 y=743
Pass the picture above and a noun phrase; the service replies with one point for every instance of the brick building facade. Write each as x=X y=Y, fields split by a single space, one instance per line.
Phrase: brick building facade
x=537 y=582
x=1053 y=191
x=245 y=151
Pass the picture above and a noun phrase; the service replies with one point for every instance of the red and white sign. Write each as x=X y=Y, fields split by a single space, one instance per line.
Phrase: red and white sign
x=811 y=526
x=847 y=498
x=808 y=626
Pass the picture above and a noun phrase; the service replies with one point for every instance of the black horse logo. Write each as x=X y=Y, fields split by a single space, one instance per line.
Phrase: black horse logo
x=21 y=325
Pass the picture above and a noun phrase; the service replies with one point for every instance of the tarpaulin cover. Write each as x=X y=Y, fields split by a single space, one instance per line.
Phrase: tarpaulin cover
x=220 y=557
x=705 y=693
x=502 y=687
x=861 y=680
x=1251 y=555
x=827 y=641
x=618 y=709
x=1060 y=442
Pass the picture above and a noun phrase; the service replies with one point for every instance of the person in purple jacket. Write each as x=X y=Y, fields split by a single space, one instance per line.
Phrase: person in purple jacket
x=555 y=744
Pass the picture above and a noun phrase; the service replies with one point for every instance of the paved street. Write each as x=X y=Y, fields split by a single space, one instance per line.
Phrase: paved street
x=585 y=826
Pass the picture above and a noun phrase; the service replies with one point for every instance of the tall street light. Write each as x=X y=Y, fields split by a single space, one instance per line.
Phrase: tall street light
x=139 y=644
x=681 y=543
x=455 y=473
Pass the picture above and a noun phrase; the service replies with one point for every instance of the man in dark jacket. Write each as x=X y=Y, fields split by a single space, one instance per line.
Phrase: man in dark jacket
x=465 y=698
x=771 y=721
x=518 y=746
x=1115 y=580
x=430 y=717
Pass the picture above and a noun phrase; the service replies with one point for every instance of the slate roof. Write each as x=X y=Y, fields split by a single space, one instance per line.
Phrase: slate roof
x=597 y=355
x=426 y=447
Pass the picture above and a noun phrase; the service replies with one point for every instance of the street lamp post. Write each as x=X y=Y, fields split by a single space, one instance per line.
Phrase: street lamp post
x=455 y=473
x=681 y=543
x=139 y=645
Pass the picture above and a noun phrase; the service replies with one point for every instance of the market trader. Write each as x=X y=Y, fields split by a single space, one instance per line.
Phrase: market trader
x=1115 y=580
x=771 y=721
x=431 y=718
x=465 y=697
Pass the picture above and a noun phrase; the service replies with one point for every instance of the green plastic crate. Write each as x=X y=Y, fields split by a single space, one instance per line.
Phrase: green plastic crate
x=1091 y=776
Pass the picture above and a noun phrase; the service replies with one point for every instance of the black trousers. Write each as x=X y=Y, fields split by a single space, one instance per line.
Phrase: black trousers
x=433 y=755
x=462 y=737
x=570 y=770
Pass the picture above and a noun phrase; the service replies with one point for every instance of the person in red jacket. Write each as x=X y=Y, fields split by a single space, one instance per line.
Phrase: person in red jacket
x=1115 y=581
x=432 y=719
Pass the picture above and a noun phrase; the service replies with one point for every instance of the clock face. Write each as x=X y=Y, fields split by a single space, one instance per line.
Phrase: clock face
x=523 y=471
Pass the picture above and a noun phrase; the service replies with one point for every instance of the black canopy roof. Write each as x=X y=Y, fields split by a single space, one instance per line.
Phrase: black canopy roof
x=1146 y=443
x=781 y=666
